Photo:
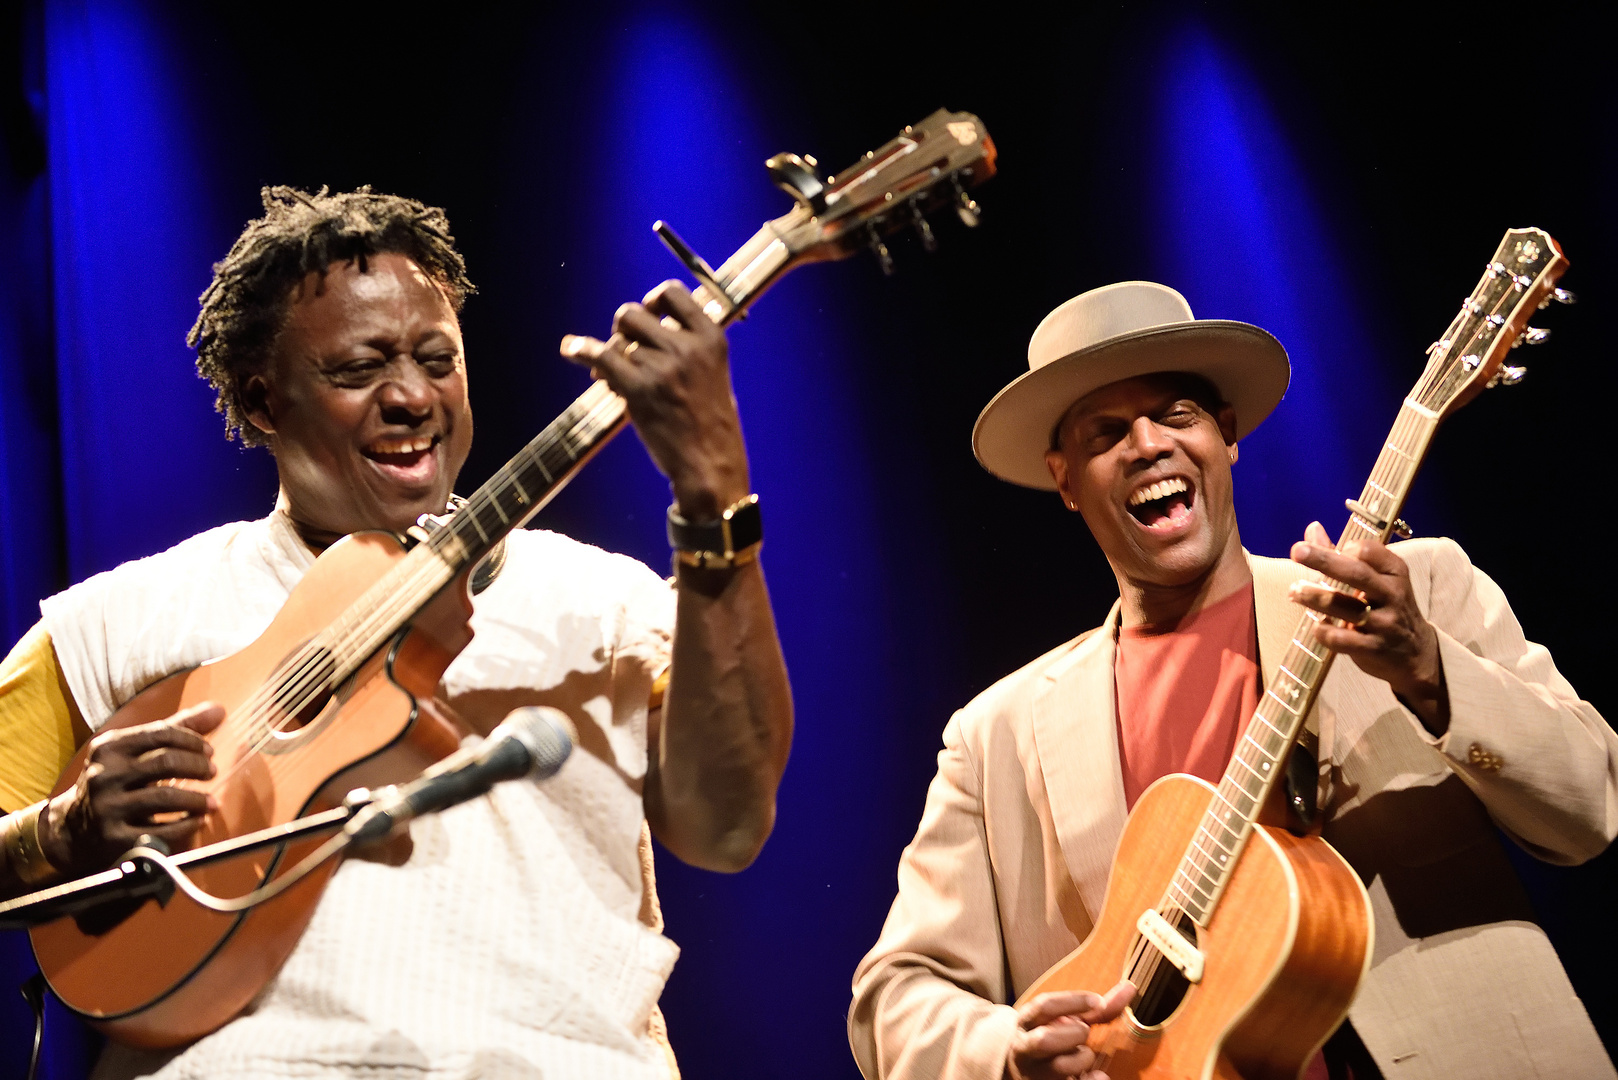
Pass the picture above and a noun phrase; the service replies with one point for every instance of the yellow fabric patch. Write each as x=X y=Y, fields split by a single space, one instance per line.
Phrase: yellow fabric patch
x=660 y=686
x=40 y=726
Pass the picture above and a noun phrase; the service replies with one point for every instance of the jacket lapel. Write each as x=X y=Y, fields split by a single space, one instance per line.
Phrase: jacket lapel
x=1076 y=734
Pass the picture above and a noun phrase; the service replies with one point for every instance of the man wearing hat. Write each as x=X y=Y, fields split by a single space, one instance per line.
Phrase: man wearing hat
x=1446 y=724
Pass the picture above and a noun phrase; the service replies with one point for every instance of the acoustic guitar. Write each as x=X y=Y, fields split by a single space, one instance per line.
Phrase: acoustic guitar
x=1246 y=942
x=337 y=692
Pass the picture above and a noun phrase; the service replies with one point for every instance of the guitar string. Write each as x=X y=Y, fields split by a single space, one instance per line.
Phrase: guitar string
x=311 y=680
x=1145 y=959
x=311 y=677
x=1389 y=474
x=316 y=669
x=317 y=666
x=410 y=593
x=308 y=662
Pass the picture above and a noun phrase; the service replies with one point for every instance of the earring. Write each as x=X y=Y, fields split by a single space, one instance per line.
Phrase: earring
x=1071 y=505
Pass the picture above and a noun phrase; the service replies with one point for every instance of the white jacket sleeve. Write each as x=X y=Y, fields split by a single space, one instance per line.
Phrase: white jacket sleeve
x=1541 y=759
x=929 y=996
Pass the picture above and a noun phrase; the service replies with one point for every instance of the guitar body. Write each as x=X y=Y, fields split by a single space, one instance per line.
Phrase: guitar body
x=165 y=975
x=1284 y=950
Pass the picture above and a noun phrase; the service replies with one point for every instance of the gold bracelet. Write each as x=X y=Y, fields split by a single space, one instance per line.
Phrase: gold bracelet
x=717 y=560
x=23 y=850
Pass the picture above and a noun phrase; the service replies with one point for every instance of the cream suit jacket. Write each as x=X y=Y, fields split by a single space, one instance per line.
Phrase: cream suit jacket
x=1010 y=863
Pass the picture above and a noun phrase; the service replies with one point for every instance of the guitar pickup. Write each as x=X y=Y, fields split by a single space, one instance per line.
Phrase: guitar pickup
x=1171 y=943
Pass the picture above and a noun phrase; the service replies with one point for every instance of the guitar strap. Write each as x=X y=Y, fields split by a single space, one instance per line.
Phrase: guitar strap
x=1275 y=616
x=1303 y=780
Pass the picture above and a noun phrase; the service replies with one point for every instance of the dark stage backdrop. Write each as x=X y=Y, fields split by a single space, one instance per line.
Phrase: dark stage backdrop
x=1338 y=182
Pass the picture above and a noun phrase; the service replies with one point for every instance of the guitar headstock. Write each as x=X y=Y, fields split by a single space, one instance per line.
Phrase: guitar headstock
x=926 y=167
x=1519 y=280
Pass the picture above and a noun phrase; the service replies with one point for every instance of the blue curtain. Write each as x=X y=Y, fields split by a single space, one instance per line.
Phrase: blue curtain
x=133 y=230
x=30 y=469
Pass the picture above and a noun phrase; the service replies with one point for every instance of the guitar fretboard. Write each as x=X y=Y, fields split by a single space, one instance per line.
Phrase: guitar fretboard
x=1262 y=750
x=515 y=493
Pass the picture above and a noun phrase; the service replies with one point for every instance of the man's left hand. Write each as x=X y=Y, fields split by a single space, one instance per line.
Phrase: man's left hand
x=670 y=362
x=1388 y=636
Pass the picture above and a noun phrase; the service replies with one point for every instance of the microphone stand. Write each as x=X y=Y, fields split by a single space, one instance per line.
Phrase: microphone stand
x=138 y=876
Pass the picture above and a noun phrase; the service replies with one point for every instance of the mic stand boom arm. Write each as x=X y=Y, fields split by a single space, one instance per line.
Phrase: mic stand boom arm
x=531 y=742
x=148 y=870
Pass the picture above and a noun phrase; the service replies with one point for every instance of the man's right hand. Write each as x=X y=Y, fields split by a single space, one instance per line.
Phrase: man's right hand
x=1052 y=1030
x=123 y=787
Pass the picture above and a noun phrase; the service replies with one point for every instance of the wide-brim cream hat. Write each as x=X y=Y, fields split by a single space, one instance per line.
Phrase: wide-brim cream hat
x=1117 y=332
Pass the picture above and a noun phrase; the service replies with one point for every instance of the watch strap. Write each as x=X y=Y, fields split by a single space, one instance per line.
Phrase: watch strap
x=732 y=540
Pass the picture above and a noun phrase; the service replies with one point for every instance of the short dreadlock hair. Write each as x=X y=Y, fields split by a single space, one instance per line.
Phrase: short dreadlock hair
x=300 y=233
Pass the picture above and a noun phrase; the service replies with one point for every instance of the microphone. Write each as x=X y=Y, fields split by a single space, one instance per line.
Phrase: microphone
x=532 y=741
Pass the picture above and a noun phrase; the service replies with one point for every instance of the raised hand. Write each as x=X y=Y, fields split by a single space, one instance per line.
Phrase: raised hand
x=670 y=363
x=1388 y=636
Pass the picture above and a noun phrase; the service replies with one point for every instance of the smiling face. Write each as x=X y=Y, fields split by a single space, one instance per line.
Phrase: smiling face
x=364 y=399
x=1148 y=466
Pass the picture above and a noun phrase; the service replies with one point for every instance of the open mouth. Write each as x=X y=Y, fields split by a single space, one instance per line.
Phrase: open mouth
x=409 y=459
x=1163 y=505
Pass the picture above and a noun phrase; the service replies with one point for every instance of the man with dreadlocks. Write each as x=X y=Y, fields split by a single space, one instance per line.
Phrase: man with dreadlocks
x=520 y=936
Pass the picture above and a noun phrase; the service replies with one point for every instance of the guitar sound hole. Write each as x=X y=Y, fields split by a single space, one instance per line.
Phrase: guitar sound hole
x=302 y=688
x=1163 y=991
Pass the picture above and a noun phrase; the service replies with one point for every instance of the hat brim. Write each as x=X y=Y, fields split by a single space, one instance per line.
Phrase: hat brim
x=1247 y=365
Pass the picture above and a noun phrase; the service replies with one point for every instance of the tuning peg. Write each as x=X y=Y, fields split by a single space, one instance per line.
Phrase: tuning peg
x=880 y=250
x=929 y=242
x=1508 y=376
x=1563 y=296
x=797 y=177
x=1401 y=529
x=966 y=206
x=1533 y=335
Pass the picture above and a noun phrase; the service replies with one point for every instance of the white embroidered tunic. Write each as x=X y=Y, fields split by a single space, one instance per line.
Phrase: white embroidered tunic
x=513 y=943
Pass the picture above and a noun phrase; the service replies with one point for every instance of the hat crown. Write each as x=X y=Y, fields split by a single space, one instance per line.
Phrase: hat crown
x=1095 y=316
